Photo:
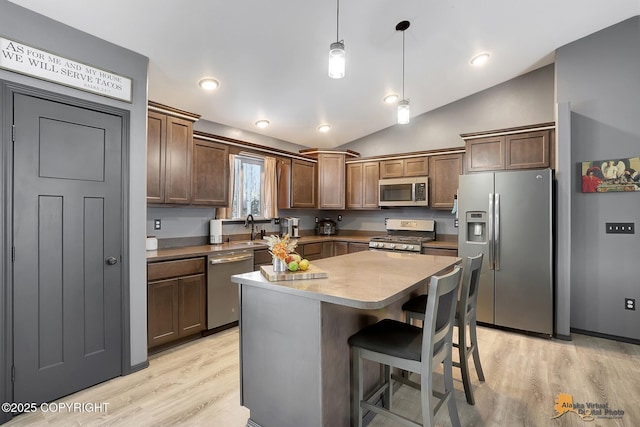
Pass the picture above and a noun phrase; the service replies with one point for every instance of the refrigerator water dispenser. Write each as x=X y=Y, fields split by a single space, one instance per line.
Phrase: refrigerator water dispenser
x=476 y=227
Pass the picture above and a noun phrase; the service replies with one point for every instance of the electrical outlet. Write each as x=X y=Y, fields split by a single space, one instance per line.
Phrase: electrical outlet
x=630 y=304
x=339 y=217
x=316 y=220
x=276 y=221
x=157 y=224
x=620 y=228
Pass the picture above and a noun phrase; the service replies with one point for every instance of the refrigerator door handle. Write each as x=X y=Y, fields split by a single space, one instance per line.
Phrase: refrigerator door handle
x=490 y=232
x=497 y=233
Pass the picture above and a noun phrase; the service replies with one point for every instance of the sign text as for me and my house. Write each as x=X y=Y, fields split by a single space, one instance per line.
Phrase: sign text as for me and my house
x=24 y=59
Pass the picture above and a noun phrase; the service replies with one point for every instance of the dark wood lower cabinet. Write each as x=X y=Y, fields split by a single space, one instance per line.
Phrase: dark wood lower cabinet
x=176 y=300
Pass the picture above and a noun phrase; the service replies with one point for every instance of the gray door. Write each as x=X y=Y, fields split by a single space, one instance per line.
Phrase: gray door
x=67 y=232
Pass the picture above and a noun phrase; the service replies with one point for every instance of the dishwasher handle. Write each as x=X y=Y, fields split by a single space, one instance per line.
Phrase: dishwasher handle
x=227 y=259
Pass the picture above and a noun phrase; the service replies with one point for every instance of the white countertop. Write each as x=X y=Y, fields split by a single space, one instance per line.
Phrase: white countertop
x=364 y=280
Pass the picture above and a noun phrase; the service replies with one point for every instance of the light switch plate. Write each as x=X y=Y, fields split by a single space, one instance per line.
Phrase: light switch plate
x=620 y=228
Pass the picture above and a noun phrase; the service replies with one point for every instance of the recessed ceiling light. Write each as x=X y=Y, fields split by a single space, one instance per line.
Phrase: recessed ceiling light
x=480 y=59
x=392 y=98
x=262 y=124
x=208 y=83
x=324 y=128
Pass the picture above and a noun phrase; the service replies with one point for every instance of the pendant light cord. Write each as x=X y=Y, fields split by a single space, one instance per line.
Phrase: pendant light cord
x=402 y=64
x=337 y=20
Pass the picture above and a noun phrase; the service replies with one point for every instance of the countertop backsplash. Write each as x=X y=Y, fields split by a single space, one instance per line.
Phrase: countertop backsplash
x=182 y=226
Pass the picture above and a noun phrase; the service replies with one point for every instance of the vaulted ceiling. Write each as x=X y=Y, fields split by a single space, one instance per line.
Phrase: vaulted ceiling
x=270 y=57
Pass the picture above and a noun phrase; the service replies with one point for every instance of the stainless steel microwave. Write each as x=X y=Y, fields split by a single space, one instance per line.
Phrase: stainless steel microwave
x=403 y=191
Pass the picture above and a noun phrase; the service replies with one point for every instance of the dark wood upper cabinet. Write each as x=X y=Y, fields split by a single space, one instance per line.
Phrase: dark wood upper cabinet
x=398 y=168
x=209 y=176
x=444 y=172
x=303 y=184
x=178 y=161
x=362 y=185
x=169 y=154
x=331 y=180
x=156 y=146
x=528 y=147
x=283 y=178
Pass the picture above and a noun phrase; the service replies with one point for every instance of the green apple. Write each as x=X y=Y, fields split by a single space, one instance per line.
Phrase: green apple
x=293 y=266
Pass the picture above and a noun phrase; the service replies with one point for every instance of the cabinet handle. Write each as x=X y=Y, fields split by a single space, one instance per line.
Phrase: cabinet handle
x=111 y=260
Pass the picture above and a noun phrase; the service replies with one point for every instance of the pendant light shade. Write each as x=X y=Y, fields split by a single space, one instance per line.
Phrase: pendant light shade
x=336 y=60
x=404 y=113
x=337 y=63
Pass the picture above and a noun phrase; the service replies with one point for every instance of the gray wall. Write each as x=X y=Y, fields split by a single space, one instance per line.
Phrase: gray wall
x=30 y=28
x=599 y=76
x=525 y=100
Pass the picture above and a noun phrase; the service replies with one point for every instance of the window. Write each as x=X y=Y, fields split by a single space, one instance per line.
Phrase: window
x=247 y=195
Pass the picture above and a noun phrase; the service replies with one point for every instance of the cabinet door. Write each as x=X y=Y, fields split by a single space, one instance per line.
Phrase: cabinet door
x=370 y=185
x=156 y=146
x=440 y=252
x=162 y=312
x=283 y=176
x=391 y=168
x=192 y=305
x=340 y=248
x=358 y=247
x=485 y=154
x=178 y=161
x=527 y=150
x=327 y=249
x=362 y=185
x=355 y=177
x=261 y=257
x=210 y=173
x=416 y=166
x=311 y=251
x=331 y=185
x=445 y=171
x=303 y=184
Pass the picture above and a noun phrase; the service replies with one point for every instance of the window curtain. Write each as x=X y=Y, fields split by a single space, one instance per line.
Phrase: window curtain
x=270 y=189
x=226 y=213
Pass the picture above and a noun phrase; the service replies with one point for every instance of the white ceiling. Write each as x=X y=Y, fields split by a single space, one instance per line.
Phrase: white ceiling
x=271 y=56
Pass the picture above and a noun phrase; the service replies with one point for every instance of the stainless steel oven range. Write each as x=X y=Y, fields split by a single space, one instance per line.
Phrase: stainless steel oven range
x=406 y=235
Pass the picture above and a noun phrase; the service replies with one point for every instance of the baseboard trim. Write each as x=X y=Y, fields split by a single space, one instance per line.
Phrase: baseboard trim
x=138 y=367
x=606 y=336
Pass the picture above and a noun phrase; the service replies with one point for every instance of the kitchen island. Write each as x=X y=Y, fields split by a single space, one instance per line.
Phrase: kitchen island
x=294 y=356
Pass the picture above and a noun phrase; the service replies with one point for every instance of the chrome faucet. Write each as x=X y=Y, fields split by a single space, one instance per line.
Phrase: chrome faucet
x=246 y=224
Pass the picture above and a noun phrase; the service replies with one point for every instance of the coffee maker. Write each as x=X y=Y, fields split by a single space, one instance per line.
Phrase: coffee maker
x=291 y=226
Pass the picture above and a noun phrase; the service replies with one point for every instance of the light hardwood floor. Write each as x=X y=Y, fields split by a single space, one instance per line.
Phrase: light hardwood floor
x=196 y=384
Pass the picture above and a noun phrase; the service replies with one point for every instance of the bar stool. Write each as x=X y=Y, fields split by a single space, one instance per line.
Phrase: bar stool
x=396 y=344
x=465 y=317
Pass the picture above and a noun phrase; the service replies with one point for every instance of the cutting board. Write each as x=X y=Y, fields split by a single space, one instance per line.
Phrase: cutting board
x=311 y=273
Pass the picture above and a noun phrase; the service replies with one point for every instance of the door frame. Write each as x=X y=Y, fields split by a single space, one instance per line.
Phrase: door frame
x=7 y=91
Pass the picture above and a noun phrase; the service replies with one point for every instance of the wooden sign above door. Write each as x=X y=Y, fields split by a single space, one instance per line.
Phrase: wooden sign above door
x=24 y=59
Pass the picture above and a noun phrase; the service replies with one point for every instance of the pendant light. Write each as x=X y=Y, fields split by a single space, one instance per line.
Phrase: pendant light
x=336 y=52
x=403 y=104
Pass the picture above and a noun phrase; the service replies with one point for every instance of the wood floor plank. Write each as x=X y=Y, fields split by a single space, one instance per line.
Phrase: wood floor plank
x=197 y=384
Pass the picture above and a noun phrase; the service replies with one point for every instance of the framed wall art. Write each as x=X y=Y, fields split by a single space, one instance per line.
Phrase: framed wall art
x=603 y=176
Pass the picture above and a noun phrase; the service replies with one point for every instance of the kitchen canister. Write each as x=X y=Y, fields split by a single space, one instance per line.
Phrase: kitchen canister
x=152 y=243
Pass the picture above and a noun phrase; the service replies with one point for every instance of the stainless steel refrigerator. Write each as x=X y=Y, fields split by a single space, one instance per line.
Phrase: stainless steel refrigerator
x=509 y=217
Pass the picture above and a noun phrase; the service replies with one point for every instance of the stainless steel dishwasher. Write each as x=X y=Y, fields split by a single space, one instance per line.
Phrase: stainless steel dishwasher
x=222 y=294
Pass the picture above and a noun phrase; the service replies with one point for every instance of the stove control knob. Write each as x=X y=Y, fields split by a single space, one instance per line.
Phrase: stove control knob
x=404 y=247
x=392 y=245
x=410 y=247
x=379 y=245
